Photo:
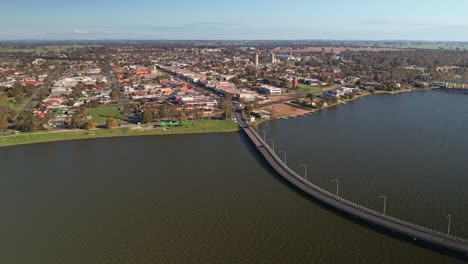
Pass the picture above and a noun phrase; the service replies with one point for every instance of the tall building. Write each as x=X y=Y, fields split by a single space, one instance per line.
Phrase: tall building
x=273 y=57
x=256 y=58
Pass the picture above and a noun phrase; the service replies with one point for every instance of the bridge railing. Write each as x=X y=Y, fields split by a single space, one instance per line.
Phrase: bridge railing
x=352 y=204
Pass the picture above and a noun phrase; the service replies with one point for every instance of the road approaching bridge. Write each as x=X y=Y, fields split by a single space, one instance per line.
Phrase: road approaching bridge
x=429 y=236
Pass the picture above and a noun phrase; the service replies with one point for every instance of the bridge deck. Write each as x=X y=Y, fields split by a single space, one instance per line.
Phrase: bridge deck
x=390 y=223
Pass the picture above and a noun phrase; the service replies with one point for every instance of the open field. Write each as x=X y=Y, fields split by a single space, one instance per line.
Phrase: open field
x=18 y=107
x=100 y=114
x=432 y=46
x=285 y=110
x=201 y=126
x=339 y=50
x=336 y=50
x=40 y=49
x=307 y=88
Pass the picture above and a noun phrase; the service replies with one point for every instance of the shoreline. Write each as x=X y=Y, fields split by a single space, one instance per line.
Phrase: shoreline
x=75 y=135
x=344 y=101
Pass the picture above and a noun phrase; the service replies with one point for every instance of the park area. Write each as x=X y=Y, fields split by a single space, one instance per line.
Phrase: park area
x=200 y=126
x=12 y=104
x=306 y=87
x=100 y=114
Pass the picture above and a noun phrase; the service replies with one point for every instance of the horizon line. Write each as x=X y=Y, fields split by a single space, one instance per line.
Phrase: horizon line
x=231 y=40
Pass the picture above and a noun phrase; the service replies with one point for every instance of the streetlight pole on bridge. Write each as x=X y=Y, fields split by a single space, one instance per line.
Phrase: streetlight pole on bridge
x=305 y=171
x=385 y=203
x=284 y=152
x=337 y=187
x=264 y=136
x=449 y=223
x=272 y=144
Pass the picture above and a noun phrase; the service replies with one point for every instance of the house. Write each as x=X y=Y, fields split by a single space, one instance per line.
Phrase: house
x=261 y=114
x=270 y=90
x=247 y=96
x=346 y=90
x=142 y=71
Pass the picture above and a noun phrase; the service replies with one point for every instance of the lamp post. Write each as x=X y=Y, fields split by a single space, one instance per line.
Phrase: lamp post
x=449 y=223
x=284 y=152
x=272 y=144
x=263 y=131
x=385 y=203
x=305 y=171
x=337 y=187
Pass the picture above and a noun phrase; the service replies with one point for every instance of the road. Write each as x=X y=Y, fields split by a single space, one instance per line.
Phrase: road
x=31 y=105
x=123 y=100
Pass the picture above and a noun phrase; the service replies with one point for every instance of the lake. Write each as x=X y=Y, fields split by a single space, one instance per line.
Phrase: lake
x=211 y=199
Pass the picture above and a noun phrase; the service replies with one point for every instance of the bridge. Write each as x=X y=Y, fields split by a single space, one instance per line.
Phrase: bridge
x=410 y=230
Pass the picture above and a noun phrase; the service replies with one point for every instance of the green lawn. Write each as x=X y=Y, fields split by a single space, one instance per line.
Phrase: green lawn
x=201 y=126
x=306 y=87
x=18 y=107
x=100 y=114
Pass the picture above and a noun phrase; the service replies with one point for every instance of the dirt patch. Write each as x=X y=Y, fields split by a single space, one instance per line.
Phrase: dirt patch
x=277 y=98
x=284 y=110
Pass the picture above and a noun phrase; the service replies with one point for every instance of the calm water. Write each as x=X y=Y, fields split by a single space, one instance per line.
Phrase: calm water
x=210 y=199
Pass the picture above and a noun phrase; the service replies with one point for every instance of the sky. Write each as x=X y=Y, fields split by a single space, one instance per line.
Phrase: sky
x=234 y=20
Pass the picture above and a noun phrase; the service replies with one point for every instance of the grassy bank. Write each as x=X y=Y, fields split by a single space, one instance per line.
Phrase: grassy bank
x=201 y=126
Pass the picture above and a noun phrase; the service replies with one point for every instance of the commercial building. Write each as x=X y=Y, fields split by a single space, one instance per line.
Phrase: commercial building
x=270 y=90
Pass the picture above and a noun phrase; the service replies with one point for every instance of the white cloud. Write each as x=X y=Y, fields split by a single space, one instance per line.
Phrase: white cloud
x=80 y=32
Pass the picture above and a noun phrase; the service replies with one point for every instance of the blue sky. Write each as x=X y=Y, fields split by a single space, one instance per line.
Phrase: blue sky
x=240 y=19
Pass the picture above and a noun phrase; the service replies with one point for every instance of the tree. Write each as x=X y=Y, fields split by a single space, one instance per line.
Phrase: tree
x=227 y=113
x=76 y=93
x=115 y=95
x=248 y=108
x=250 y=71
x=111 y=122
x=320 y=104
x=148 y=116
x=78 y=120
x=42 y=96
x=225 y=105
x=197 y=113
x=334 y=99
x=4 y=100
x=182 y=117
x=91 y=125
x=3 y=121
x=18 y=93
x=164 y=111
x=27 y=122
x=29 y=90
